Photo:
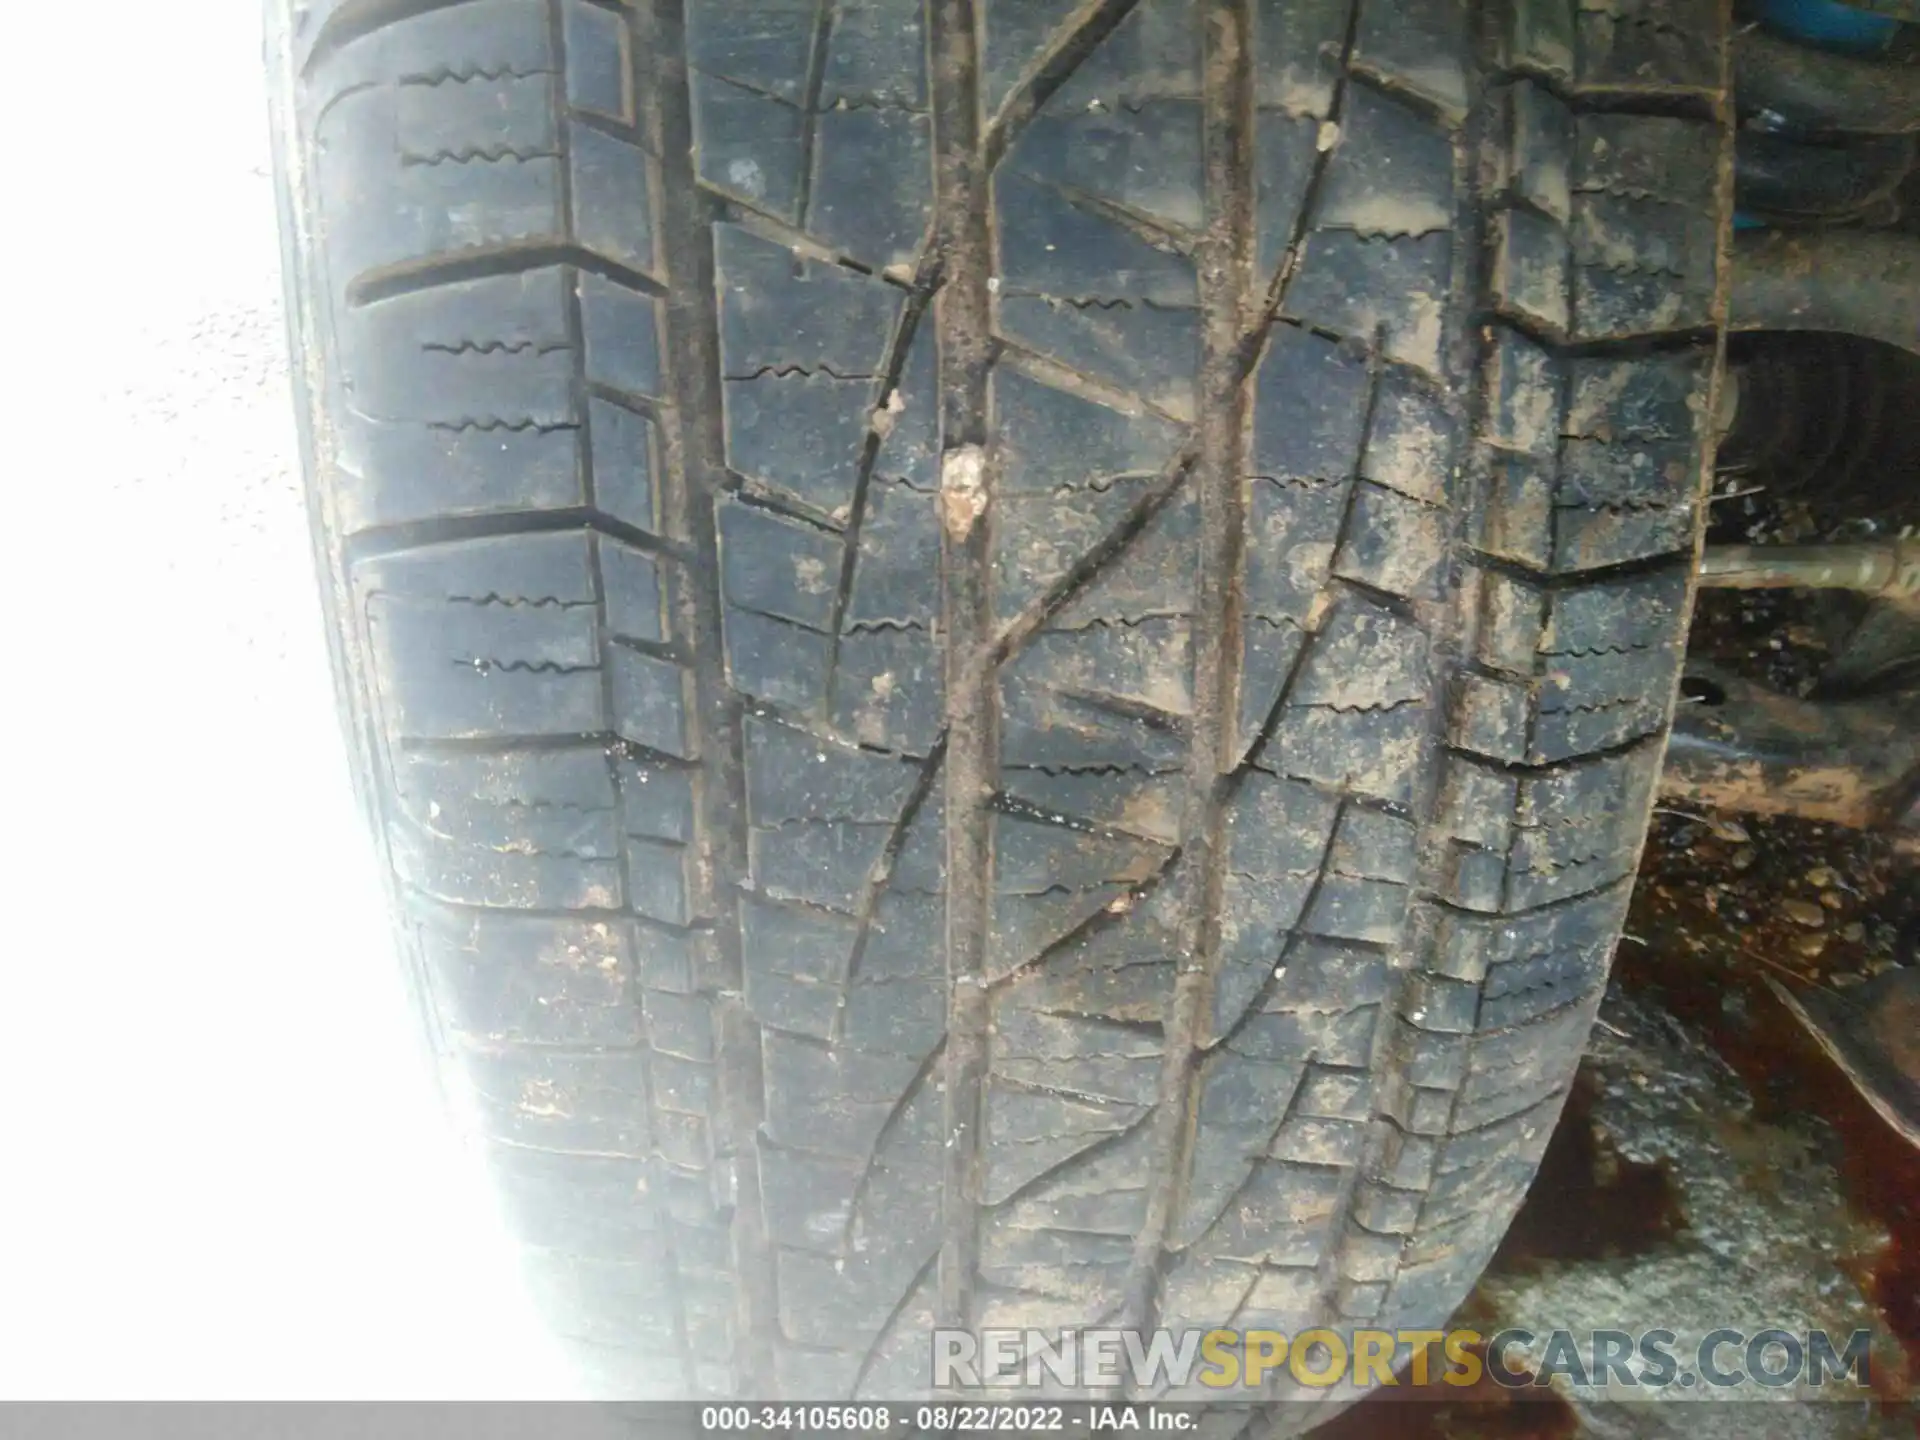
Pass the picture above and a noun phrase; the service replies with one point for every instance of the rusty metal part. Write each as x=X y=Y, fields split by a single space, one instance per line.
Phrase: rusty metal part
x=1888 y=569
x=1742 y=747
x=1873 y=1034
x=1858 y=282
x=1906 y=834
x=1822 y=91
x=1880 y=655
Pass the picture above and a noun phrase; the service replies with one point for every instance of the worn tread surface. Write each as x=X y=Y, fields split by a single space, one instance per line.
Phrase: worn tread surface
x=1014 y=690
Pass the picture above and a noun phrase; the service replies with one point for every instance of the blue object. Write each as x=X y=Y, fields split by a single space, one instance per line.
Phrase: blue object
x=1742 y=220
x=1830 y=25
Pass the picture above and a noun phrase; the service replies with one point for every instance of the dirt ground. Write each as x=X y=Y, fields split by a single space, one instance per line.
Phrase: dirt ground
x=1768 y=1188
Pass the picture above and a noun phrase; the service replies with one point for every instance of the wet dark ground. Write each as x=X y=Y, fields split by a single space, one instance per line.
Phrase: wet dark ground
x=1779 y=1146
x=1722 y=904
x=1735 y=927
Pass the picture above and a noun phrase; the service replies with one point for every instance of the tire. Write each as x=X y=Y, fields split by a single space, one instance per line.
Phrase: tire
x=887 y=826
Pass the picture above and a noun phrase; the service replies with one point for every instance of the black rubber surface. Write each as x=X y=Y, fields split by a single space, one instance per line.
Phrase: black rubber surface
x=1822 y=91
x=1020 y=690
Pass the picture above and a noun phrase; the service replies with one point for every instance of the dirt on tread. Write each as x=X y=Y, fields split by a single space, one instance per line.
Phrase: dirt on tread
x=1015 y=693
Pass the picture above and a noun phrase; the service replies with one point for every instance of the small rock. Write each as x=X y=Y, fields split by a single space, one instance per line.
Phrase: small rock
x=1731 y=831
x=1744 y=857
x=885 y=417
x=1810 y=945
x=1820 y=877
x=1853 y=932
x=1833 y=900
x=1846 y=980
x=1804 y=912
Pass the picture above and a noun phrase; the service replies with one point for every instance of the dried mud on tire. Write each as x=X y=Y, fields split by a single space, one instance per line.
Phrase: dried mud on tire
x=1021 y=691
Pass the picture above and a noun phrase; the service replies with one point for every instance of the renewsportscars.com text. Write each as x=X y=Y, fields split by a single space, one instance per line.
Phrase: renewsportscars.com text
x=1165 y=1360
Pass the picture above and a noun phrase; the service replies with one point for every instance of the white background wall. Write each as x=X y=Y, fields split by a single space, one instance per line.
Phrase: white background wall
x=222 y=1171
